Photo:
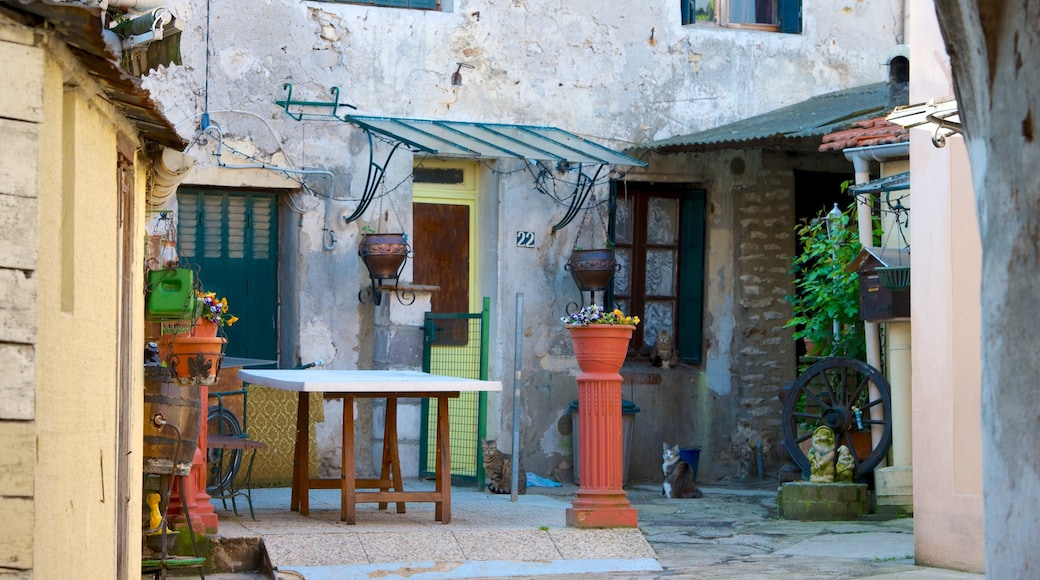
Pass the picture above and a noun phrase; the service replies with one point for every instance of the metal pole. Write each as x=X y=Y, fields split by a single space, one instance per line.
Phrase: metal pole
x=514 y=484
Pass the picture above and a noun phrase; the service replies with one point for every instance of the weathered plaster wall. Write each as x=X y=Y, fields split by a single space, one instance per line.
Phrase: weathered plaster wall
x=945 y=303
x=22 y=111
x=619 y=74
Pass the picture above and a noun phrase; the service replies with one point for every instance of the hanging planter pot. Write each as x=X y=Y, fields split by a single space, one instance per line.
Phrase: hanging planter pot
x=894 y=277
x=592 y=270
x=196 y=359
x=171 y=294
x=384 y=255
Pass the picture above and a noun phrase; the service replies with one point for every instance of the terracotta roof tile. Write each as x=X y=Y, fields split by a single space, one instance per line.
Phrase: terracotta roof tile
x=865 y=133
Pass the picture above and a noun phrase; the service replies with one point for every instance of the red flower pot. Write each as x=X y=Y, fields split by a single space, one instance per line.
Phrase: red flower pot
x=601 y=348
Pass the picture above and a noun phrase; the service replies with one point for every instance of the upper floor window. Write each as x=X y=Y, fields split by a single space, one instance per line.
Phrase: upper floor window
x=776 y=15
x=420 y=4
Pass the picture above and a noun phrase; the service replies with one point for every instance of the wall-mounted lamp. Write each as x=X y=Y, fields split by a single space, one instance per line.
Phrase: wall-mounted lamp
x=456 y=78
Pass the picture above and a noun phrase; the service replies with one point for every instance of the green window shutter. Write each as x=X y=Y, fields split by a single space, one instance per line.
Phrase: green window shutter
x=790 y=16
x=691 y=278
x=230 y=240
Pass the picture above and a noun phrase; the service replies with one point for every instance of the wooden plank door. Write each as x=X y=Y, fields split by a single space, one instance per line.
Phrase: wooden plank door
x=441 y=249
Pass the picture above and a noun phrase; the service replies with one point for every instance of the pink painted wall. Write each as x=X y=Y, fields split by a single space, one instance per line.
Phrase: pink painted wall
x=947 y=257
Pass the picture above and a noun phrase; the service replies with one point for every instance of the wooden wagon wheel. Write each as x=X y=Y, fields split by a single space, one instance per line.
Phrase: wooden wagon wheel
x=836 y=392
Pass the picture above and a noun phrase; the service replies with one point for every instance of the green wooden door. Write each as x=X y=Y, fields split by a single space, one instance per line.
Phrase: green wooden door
x=230 y=239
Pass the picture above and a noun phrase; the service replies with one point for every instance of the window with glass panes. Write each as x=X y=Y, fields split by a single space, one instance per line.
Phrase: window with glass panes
x=776 y=15
x=658 y=232
x=419 y=4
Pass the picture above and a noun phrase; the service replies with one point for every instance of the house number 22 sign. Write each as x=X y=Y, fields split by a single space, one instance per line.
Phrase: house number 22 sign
x=525 y=239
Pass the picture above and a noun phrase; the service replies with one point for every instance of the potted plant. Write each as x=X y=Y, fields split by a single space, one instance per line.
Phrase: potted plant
x=600 y=337
x=213 y=315
x=194 y=355
x=600 y=340
x=825 y=304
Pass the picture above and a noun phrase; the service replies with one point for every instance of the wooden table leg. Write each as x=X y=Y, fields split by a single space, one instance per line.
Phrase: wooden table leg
x=442 y=511
x=347 y=509
x=301 y=457
x=391 y=464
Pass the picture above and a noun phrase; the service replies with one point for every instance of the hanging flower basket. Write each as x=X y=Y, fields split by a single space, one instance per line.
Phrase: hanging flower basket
x=592 y=269
x=894 y=277
x=383 y=255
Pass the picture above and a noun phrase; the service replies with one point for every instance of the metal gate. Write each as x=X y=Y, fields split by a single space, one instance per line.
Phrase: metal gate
x=456 y=345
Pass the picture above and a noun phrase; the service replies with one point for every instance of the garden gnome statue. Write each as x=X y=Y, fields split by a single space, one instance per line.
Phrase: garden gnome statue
x=846 y=465
x=821 y=456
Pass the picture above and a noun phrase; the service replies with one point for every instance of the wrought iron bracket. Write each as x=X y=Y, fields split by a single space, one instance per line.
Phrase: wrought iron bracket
x=300 y=113
x=376 y=174
x=582 y=189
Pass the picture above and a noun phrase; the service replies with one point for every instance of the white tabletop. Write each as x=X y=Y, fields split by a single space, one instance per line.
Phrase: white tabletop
x=338 y=381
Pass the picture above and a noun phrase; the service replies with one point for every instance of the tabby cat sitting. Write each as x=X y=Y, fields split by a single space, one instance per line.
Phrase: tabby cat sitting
x=664 y=354
x=678 y=475
x=498 y=467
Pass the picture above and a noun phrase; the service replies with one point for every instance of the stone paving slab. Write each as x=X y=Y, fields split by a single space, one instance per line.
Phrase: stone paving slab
x=732 y=532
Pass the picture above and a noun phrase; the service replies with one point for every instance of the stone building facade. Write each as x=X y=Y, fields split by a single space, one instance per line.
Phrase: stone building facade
x=620 y=75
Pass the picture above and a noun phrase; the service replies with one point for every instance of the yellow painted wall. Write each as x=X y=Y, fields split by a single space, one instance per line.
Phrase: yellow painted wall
x=59 y=487
x=76 y=353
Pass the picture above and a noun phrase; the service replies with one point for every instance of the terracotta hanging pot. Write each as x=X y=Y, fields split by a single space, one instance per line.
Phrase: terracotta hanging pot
x=592 y=269
x=383 y=254
x=601 y=348
x=196 y=359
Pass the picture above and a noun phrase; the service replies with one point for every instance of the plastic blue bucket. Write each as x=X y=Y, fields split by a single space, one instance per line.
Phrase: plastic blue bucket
x=691 y=455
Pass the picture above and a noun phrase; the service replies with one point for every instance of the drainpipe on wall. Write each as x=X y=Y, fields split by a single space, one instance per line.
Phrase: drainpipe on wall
x=861 y=158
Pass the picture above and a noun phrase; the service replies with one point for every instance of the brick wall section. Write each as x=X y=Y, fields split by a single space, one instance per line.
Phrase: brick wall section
x=764 y=213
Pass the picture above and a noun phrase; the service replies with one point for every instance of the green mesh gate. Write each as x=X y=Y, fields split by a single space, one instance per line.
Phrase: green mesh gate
x=456 y=345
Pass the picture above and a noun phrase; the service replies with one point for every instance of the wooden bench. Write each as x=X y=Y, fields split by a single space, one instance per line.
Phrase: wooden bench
x=236 y=486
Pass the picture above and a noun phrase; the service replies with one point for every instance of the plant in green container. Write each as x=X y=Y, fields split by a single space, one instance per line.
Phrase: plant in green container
x=825 y=304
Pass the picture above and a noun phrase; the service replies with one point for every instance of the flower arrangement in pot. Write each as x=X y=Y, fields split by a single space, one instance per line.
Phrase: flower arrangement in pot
x=600 y=337
x=194 y=356
x=213 y=314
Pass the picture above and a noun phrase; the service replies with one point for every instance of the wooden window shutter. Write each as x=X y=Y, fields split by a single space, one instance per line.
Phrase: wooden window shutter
x=691 y=277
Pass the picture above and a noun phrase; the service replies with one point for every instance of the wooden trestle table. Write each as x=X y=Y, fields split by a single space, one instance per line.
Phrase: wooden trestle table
x=350 y=385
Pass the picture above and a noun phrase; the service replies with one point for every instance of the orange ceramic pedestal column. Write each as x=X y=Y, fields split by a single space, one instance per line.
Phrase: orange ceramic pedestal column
x=600 y=502
x=200 y=506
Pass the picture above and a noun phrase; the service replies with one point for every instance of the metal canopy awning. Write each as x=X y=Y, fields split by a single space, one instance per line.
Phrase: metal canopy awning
x=942 y=118
x=492 y=140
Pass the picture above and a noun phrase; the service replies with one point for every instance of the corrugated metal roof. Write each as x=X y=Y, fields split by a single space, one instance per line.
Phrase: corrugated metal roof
x=807 y=120
x=492 y=140
x=80 y=27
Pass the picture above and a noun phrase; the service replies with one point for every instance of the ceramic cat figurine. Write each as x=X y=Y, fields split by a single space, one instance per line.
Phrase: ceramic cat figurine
x=678 y=475
x=664 y=354
x=498 y=467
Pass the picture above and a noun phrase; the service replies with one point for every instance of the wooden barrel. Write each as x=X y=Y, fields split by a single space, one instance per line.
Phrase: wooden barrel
x=169 y=449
